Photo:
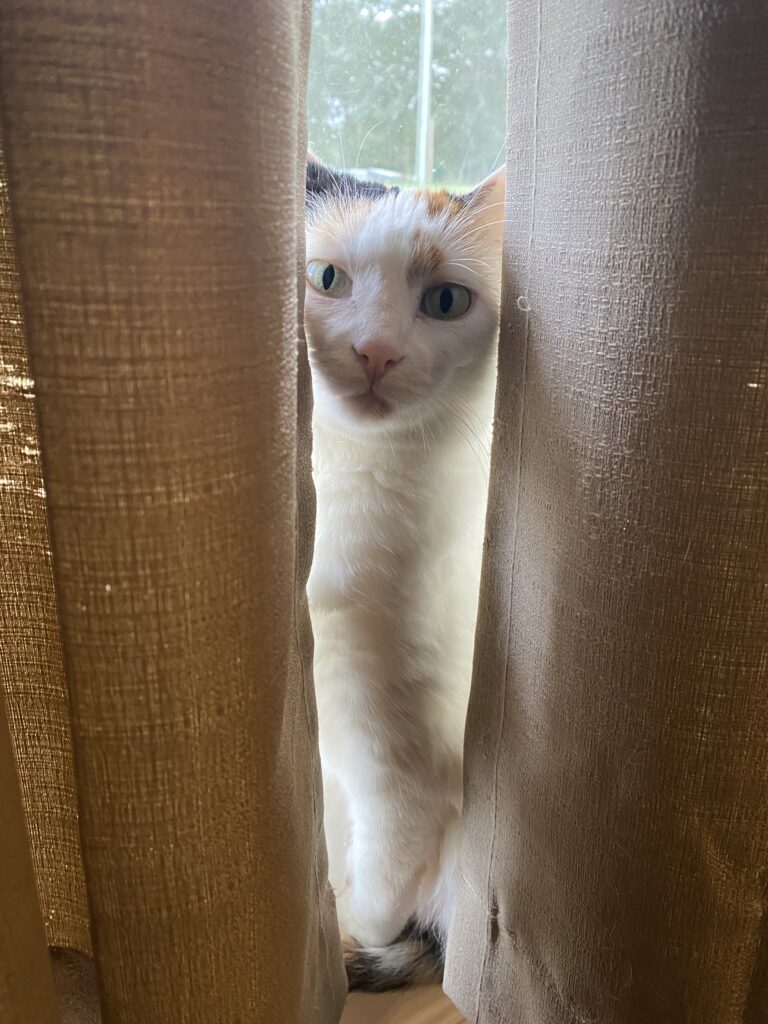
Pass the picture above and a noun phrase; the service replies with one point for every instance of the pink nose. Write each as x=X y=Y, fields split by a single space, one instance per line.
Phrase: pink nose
x=378 y=357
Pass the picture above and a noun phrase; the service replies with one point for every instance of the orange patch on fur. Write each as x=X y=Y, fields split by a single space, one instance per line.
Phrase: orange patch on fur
x=439 y=202
x=424 y=258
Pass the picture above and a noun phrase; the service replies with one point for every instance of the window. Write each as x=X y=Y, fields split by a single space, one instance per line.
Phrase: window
x=409 y=93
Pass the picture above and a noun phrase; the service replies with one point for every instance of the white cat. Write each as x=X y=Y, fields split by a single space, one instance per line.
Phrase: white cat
x=401 y=318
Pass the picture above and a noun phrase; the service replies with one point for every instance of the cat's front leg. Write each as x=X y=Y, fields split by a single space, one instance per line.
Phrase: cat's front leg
x=396 y=832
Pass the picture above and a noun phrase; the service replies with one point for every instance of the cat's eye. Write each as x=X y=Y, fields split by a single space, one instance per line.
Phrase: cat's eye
x=328 y=279
x=446 y=301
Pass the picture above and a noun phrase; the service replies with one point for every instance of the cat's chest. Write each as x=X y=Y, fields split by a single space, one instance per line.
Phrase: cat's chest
x=368 y=506
x=371 y=527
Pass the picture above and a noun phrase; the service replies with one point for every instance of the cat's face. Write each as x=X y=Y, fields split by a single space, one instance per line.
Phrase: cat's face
x=402 y=296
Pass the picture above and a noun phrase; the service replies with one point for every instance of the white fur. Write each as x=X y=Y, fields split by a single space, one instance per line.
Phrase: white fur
x=401 y=497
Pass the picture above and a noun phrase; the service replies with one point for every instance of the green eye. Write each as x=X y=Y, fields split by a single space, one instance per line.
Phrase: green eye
x=328 y=279
x=446 y=301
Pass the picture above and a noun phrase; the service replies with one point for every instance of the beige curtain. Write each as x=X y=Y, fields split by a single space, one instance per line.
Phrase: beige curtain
x=26 y=993
x=151 y=230
x=159 y=796
x=32 y=668
x=616 y=830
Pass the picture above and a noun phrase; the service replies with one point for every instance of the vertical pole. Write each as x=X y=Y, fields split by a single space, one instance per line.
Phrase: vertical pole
x=423 y=162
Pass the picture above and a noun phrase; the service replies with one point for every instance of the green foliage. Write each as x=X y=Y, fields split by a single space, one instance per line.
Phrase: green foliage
x=363 y=85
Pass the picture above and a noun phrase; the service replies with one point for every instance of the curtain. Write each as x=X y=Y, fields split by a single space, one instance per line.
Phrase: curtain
x=159 y=784
x=26 y=993
x=616 y=821
x=157 y=525
x=32 y=668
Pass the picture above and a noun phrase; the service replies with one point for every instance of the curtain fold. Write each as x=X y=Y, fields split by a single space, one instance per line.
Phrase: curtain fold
x=26 y=988
x=154 y=156
x=616 y=823
x=31 y=667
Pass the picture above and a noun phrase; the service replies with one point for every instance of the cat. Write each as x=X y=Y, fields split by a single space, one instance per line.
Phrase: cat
x=401 y=317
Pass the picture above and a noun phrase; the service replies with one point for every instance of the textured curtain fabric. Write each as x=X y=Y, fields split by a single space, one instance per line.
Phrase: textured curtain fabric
x=155 y=154
x=616 y=853
x=26 y=987
x=31 y=663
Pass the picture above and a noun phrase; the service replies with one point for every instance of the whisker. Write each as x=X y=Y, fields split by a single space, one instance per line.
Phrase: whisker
x=463 y=264
x=459 y=422
x=464 y=161
x=341 y=147
x=470 y=259
x=484 y=227
x=455 y=263
x=493 y=165
x=483 y=446
x=365 y=137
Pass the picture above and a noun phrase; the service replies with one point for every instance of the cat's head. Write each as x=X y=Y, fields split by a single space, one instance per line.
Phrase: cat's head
x=402 y=298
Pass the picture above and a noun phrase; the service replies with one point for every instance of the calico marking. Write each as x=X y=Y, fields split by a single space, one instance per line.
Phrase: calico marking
x=441 y=202
x=323 y=183
x=425 y=258
x=417 y=957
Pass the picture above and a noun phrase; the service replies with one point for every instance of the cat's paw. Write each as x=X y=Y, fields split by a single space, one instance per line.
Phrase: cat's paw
x=363 y=924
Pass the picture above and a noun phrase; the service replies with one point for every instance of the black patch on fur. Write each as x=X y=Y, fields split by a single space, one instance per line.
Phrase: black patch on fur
x=323 y=183
x=416 y=956
x=414 y=932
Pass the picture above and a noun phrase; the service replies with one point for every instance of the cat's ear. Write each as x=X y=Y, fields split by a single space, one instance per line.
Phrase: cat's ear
x=321 y=180
x=486 y=202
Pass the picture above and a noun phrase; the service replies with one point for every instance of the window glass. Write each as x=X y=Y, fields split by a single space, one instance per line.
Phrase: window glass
x=409 y=93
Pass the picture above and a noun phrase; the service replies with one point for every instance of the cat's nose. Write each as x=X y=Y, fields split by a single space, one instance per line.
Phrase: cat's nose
x=378 y=357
